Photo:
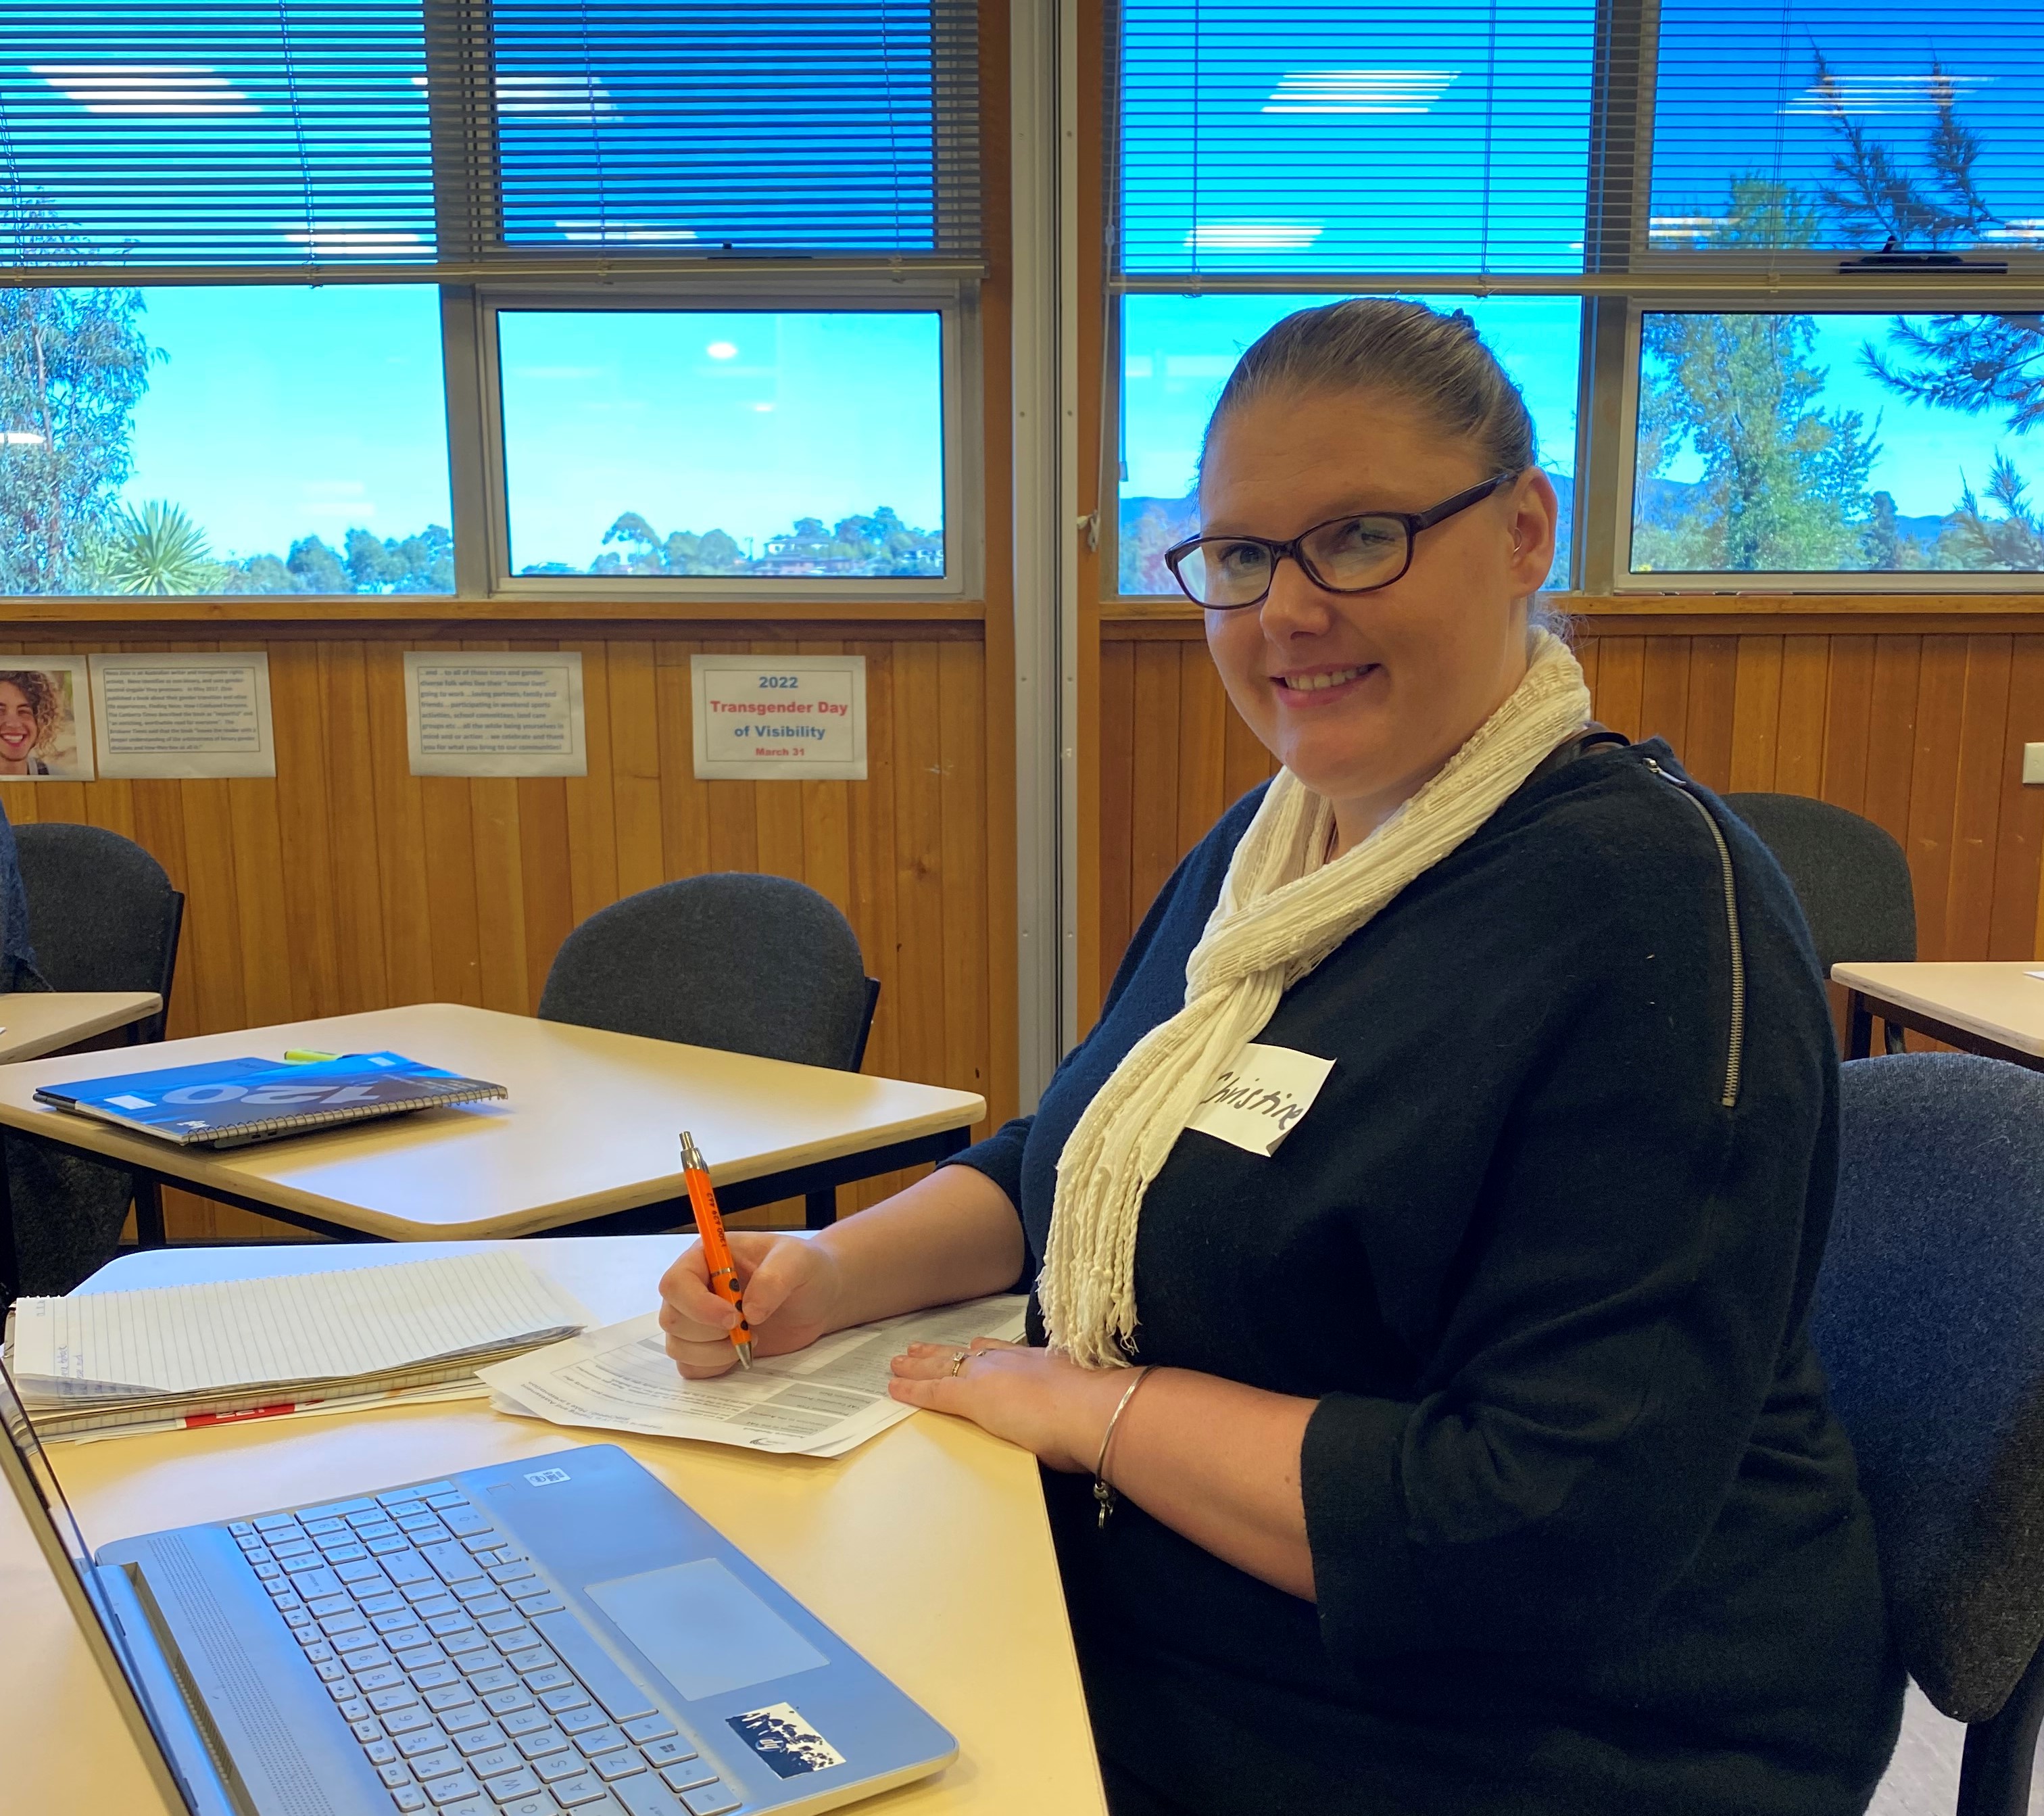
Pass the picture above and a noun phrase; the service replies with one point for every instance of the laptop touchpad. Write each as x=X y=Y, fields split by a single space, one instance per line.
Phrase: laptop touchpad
x=702 y=1630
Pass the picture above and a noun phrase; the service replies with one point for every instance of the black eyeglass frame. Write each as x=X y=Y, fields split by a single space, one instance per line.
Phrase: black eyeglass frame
x=1411 y=521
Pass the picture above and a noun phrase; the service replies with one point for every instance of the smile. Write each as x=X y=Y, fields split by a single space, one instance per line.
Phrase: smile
x=1316 y=683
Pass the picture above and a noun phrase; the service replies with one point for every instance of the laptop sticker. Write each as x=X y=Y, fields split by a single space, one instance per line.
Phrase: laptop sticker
x=1259 y=1096
x=786 y=1742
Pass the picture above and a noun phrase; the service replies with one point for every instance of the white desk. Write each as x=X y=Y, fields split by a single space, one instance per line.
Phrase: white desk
x=589 y=1133
x=1995 y=1008
x=927 y=1549
x=33 y=1022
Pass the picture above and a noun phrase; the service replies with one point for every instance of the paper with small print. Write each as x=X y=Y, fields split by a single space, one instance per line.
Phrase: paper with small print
x=819 y=1401
x=1257 y=1098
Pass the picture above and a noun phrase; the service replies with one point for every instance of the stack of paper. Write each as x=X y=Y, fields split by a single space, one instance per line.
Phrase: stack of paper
x=819 y=1401
x=195 y=1354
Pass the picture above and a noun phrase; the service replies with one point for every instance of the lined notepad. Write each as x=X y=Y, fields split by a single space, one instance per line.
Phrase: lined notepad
x=103 y=1358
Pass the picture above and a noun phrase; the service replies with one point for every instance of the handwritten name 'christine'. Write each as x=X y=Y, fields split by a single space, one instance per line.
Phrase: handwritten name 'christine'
x=1256 y=1100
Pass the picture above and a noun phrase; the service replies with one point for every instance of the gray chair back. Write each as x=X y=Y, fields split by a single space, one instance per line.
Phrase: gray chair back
x=1929 y=1317
x=102 y=914
x=1851 y=878
x=752 y=964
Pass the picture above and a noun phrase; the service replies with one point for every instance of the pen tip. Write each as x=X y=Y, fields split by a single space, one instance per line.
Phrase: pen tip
x=744 y=1355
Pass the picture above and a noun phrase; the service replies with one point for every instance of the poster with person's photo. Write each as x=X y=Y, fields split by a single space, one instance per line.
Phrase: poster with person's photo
x=45 y=719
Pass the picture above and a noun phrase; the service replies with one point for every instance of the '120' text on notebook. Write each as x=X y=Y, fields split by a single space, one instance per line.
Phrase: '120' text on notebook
x=231 y=1102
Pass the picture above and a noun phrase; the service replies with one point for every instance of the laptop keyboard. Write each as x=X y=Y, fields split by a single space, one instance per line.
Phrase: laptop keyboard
x=472 y=1689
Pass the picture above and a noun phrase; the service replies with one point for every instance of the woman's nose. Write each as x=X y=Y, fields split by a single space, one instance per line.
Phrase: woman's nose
x=1295 y=606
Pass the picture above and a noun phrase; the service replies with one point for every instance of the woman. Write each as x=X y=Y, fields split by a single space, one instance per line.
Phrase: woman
x=1479 y=1461
x=31 y=710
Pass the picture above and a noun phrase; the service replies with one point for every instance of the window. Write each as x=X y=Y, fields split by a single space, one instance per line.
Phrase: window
x=649 y=443
x=1845 y=443
x=1827 y=126
x=1177 y=352
x=1272 y=157
x=1802 y=238
x=1891 y=164
x=205 y=439
x=267 y=276
x=731 y=125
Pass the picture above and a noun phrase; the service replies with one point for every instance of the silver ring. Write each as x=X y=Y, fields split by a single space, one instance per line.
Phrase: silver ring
x=959 y=1361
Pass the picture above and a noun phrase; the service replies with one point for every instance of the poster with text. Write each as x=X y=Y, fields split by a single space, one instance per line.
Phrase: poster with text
x=495 y=713
x=45 y=719
x=197 y=712
x=791 y=718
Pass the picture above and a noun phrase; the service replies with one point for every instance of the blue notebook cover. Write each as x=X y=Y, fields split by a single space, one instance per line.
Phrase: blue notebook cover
x=228 y=1101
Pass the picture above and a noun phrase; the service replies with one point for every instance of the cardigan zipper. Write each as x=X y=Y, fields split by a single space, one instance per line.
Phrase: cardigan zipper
x=1735 y=1055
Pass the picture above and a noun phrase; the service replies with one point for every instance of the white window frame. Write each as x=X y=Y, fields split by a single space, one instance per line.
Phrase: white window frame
x=1917 y=580
x=954 y=302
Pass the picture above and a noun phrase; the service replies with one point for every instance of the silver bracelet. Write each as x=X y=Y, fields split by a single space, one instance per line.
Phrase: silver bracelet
x=1103 y=1493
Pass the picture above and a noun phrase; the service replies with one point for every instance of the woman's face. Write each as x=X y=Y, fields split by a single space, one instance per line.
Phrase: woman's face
x=17 y=729
x=1418 y=665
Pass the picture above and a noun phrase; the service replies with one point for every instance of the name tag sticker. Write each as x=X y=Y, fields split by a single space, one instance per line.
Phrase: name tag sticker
x=1259 y=1097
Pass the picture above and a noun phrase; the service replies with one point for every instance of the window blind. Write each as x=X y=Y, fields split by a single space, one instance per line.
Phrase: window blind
x=739 y=126
x=171 y=133
x=332 y=138
x=1847 y=127
x=1276 y=138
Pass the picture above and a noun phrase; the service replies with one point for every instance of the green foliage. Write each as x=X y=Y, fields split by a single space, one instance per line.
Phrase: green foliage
x=157 y=550
x=1972 y=364
x=2012 y=541
x=879 y=545
x=1876 y=191
x=1784 y=487
x=73 y=364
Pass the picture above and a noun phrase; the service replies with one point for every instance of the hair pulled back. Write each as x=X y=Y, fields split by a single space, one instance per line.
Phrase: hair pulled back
x=1436 y=363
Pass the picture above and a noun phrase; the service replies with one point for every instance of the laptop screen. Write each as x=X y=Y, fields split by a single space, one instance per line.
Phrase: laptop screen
x=27 y=1467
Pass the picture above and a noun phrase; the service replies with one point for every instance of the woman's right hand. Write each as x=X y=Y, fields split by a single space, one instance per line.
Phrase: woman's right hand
x=791 y=1289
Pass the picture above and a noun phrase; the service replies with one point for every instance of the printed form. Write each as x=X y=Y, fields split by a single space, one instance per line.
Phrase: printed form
x=819 y=1401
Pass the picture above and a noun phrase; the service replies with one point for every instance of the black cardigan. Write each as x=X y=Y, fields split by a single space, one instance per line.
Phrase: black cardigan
x=1586 y=1536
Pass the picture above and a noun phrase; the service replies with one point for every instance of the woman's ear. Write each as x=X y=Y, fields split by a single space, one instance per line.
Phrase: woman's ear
x=1536 y=514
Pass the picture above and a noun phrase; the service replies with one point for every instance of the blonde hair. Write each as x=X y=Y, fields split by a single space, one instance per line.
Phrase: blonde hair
x=1437 y=364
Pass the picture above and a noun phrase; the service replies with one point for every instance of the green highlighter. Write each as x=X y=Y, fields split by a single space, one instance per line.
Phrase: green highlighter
x=304 y=1055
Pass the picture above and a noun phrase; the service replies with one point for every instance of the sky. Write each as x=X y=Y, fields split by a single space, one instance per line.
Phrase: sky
x=1451 y=134
x=701 y=420
x=275 y=412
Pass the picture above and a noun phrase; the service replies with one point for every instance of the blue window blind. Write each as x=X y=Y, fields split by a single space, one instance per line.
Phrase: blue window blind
x=1848 y=127
x=1330 y=136
x=460 y=134
x=738 y=127
x=143 y=132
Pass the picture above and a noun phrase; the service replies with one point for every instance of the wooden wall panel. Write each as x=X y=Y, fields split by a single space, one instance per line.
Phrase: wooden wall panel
x=348 y=884
x=1923 y=734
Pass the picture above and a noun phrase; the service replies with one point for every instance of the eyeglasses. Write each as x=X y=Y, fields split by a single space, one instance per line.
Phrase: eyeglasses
x=1344 y=555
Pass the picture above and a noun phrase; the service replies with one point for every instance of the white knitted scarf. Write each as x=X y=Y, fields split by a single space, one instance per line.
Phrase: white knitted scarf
x=1281 y=911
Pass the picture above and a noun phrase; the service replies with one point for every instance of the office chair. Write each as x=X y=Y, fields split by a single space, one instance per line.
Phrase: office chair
x=751 y=964
x=102 y=915
x=1929 y=1317
x=1851 y=878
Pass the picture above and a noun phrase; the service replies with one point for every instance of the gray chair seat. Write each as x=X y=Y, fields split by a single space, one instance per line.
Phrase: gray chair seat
x=102 y=915
x=747 y=963
x=1929 y=1317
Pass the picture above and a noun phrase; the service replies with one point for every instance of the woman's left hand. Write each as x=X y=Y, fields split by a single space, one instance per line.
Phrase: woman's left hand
x=1030 y=1397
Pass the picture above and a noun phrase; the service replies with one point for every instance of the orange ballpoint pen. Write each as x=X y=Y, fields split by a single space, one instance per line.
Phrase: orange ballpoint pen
x=717 y=1251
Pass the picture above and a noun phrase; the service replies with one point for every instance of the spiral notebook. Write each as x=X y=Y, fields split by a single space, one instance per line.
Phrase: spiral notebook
x=231 y=1102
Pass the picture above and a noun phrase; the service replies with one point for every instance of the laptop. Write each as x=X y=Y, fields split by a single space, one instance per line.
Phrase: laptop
x=557 y=1636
